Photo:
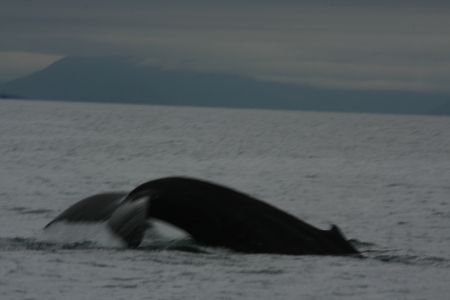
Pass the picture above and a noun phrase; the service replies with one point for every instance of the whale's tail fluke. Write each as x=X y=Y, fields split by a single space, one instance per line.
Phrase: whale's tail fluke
x=96 y=208
x=129 y=221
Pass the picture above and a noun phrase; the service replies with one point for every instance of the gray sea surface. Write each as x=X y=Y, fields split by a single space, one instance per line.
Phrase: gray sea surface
x=383 y=179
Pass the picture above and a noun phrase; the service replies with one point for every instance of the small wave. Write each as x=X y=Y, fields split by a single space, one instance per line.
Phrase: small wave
x=360 y=244
x=18 y=243
x=263 y=271
x=26 y=211
x=184 y=244
x=373 y=251
x=409 y=259
x=395 y=256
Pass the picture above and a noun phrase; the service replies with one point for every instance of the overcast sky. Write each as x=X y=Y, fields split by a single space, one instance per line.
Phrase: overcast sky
x=398 y=45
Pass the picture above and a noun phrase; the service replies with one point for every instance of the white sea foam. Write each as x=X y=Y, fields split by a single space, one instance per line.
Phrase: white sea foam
x=98 y=233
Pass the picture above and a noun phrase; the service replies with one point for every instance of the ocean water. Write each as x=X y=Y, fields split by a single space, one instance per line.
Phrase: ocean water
x=383 y=179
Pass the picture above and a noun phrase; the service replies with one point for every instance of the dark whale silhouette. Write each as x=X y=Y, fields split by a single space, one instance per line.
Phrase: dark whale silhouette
x=213 y=215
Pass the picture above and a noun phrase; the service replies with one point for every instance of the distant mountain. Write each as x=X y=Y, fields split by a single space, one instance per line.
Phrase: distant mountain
x=119 y=80
x=9 y=96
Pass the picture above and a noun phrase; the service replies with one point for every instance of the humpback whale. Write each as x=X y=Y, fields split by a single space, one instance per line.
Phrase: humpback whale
x=213 y=215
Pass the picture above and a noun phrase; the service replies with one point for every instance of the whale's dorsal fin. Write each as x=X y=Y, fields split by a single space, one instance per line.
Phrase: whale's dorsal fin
x=129 y=221
x=336 y=235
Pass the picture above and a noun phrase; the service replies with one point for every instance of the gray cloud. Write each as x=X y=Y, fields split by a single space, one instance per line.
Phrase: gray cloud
x=357 y=45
